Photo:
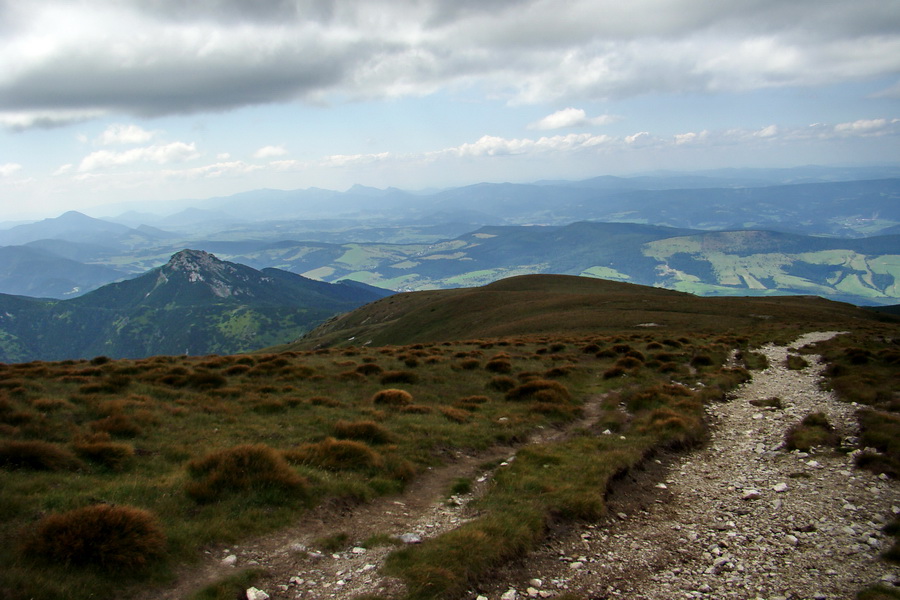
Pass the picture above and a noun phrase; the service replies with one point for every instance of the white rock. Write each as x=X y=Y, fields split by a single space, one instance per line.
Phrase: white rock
x=410 y=538
x=358 y=550
x=229 y=560
x=750 y=494
x=510 y=594
x=536 y=582
x=255 y=594
x=780 y=487
x=532 y=592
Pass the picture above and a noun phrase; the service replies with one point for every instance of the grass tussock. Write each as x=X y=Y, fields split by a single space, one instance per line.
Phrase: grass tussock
x=540 y=390
x=369 y=432
x=336 y=455
x=392 y=397
x=36 y=455
x=244 y=469
x=108 y=537
x=110 y=455
x=813 y=431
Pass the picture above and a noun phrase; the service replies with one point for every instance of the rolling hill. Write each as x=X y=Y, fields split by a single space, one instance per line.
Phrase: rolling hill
x=195 y=304
x=565 y=305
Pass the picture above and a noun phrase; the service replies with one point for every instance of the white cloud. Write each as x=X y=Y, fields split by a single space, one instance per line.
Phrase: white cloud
x=270 y=152
x=343 y=160
x=690 y=137
x=571 y=117
x=497 y=146
x=8 y=169
x=767 y=132
x=640 y=138
x=214 y=170
x=125 y=134
x=160 y=154
x=865 y=127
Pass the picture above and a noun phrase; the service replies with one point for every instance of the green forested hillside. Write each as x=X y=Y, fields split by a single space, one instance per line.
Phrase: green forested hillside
x=195 y=304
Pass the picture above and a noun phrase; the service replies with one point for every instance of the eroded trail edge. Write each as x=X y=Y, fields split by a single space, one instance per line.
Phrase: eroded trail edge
x=742 y=518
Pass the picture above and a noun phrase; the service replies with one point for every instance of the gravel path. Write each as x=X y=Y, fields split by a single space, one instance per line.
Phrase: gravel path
x=741 y=518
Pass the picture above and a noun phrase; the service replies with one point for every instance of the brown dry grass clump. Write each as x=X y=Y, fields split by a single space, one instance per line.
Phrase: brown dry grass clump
x=242 y=469
x=389 y=377
x=363 y=431
x=112 y=455
x=336 y=455
x=392 y=397
x=105 y=536
x=814 y=430
x=36 y=455
x=541 y=390
x=501 y=383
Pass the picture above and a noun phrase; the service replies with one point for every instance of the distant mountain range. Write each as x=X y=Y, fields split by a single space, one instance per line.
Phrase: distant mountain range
x=194 y=304
x=857 y=270
x=793 y=231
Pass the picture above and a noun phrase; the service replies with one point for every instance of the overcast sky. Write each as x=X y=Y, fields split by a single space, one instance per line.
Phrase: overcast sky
x=121 y=100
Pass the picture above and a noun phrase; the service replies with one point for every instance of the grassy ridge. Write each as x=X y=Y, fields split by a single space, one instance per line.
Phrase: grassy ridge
x=568 y=305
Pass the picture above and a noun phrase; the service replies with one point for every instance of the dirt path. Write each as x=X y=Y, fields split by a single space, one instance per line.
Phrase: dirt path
x=296 y=570
x=741 y=518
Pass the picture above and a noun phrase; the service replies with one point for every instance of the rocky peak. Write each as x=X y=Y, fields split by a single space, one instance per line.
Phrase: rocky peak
x=197 y=266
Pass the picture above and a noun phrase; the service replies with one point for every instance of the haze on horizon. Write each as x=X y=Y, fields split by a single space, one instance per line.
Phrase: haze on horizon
x=106 y=101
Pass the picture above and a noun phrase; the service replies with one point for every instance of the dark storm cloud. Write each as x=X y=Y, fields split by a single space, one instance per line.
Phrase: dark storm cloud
x=154 y=57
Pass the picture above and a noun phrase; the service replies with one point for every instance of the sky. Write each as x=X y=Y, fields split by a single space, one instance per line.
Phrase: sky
x=144 y=101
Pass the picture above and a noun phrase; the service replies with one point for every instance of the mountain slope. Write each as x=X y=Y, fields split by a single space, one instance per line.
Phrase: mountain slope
x=74 y=226
x=195 y=304
x=564 y=305
x=29 y=271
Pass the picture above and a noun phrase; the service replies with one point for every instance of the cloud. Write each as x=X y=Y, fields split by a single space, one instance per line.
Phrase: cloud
x=270 y=152
x=125 y=134
x=571 y=117
x=867 y=127
x=60 y=60
x=497 y=146
x=9 y=169
x=214 y=170
x=344 y=160
x=49 y=119
x=160 y=154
